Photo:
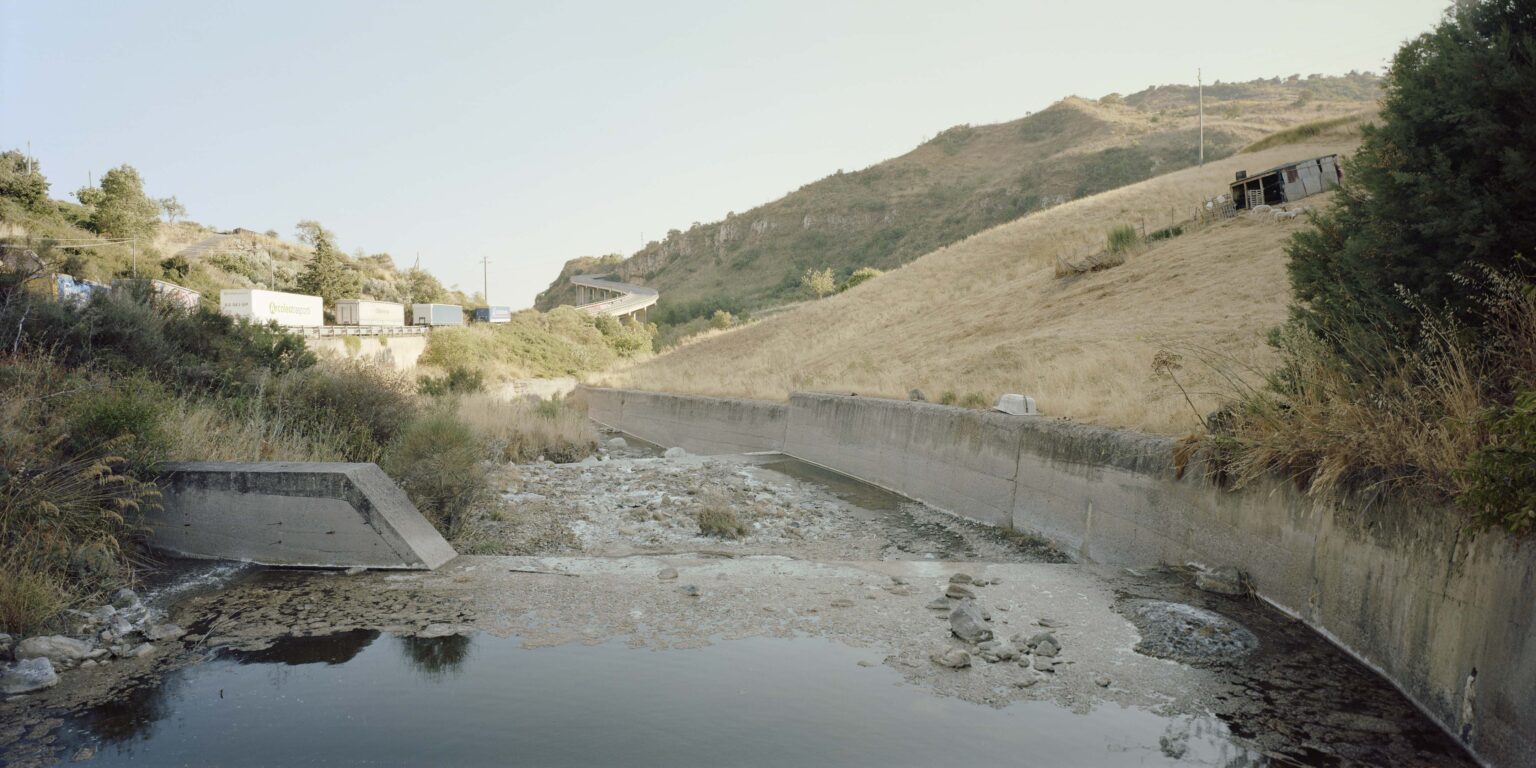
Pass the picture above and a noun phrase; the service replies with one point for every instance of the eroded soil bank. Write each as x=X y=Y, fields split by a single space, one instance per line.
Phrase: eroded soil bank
x=617 y=566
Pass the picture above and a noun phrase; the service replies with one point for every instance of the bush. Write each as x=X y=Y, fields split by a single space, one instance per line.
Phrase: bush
x=362 y=406
x=1501 y=475
x=1166 y=233
x=861 y=275
x=458 y=381
x=28 y=600
x=716 y=519
x=436 y=460
x=521 y=431
x=1121 y=239
x=975 y=400
x=127 y=420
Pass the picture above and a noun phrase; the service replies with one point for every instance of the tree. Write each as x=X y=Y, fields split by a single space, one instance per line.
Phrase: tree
x=327 y=275
x=20 y=179
x=421 y=287
x=120 y=208
x=819 y=282
x=172 y=208
x=861 y=275
x=311 y=233
x=1442 y=187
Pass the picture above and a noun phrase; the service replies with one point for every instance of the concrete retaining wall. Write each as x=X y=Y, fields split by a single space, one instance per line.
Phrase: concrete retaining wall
x=398 y=352
x=1450 y=618
x=330 y=515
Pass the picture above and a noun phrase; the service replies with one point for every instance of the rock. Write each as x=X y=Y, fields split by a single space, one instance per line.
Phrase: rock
x=1049 y=623
x=1034 y=640
x=961 y=578
x=439 y=630
x=88 y=663
x=63 y=652
x=866 y=663
x=1101 y=681
x=954 y=658
x=689 y=590
x=999 y=651
x=1047 y=648
x=667 y=574
x=966 y=622
x=354 y=570
x=118 y=627
x=140 y=651
x=164 y=632
x=27 y=675
x=842 y=602
x=674 y=453
x=1225 y=580
x=916 y=395
x=960 y=592
x=83 y=754
x=1028 y=681
x=939 y=604
x=898 y=580
x=617 y=443
x=6 y=644
x=102 y=614
x=125 y=598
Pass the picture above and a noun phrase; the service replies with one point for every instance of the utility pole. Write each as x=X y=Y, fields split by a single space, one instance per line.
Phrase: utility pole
x=134 y=246
x=485 y=276
x=1200 y=83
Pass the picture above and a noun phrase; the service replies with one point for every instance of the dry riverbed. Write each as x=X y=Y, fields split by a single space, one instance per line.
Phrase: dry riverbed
x=613 y=553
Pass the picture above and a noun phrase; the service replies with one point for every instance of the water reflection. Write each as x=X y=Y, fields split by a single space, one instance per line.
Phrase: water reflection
x=436 y=657
x=337 y=648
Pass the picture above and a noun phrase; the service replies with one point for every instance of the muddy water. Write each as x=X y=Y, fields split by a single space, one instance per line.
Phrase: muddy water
x=361 y=698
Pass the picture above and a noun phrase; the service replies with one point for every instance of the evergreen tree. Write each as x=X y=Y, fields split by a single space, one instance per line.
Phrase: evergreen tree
x=1445 y=181
x=327 y=275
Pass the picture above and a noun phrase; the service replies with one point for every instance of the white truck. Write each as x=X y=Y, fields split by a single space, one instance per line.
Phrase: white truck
x=290 y=310
x=373 y=313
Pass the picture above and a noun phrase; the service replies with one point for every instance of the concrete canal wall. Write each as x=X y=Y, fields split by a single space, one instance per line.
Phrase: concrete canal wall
x=328 y=515
x=400 y=352
x=1448 y=616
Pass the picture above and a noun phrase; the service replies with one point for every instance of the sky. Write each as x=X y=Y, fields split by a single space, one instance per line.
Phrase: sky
x=532 y=133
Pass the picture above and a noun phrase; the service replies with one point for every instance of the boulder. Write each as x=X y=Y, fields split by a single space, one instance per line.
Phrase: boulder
x=959 y=592
x=967 y=623
x=953 y=658
x=617 y=443
x=675 y=453
x=917 y=396
x=64 y=652
x=125 y=598
x=27 y=675
x=667 y=574
x=962 y=578
x=164 y=632
x=1047 y=648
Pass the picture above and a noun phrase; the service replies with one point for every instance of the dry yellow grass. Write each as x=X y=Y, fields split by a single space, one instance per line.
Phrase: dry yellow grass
x=988 y=315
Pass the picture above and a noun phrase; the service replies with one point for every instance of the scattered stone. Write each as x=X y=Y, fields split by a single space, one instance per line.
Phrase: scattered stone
x=6 y=644
x=898 y=580
x=83 y=754
x=959 y=592
x=1047 y=648
x=1101 y=681
x=1226 y=580
x=1028 y=681
x=674 y=453
x=967 y=623
x=866 y=663
x=439 y=630
x=954 y=658
x=998 y=651
x=617 y=443
x=141 y=650
x=88 y=663
x=354 y=570
x=689 y=590
x=63 y=652
x=1188 y=634
x=916 y=395
x=1034 y=640
x=842 y=602
x=961 y=578
x=164 y=632
x=939 y=604
x=667 y=574
x=102 y=614
x=27 y=675
x=1050 y=623
x=125 y=598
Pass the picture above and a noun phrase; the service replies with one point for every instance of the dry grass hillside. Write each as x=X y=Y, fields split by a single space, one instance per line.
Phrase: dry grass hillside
x=989 y=315
x=961 y=182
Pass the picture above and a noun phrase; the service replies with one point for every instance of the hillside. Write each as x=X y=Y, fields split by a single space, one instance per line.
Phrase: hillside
x=963 y=181
x=989 y=315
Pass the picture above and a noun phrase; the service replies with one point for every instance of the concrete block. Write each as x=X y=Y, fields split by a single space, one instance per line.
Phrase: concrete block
x=1016 y=405
x=325 y=515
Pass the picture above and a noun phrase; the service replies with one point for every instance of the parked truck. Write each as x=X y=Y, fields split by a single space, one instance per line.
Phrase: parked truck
x=290 y=310
x=373 y=313
x=437 y=314
x=492 y=314
x=66 y=288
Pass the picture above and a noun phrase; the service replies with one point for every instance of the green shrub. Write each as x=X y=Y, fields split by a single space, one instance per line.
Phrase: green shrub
x=362 y=406
x=127 y=420
x=1502 y=474
x=861 y=275
x=1122 y=238
x=1166 y=233
x=948 y=397
x=458 y=381
x=28 y=600
x=436 y=460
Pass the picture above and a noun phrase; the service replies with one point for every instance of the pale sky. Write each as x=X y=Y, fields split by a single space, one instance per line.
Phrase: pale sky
x=531 y=133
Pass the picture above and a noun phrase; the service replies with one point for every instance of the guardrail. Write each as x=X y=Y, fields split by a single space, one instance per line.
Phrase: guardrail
x=323 y=331
x=632 y=298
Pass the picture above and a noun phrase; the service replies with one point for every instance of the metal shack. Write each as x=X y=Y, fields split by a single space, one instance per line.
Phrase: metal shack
x=373 y=313
x=1286 y=183
x=437 y=314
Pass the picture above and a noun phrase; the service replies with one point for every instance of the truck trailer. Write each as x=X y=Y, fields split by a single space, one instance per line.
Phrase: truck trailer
x=492 y=314
x=373 y=313
x=437 y=314
x=290 y=310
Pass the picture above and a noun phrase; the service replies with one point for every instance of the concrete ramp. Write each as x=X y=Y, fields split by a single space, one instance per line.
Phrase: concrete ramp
x=314 y=514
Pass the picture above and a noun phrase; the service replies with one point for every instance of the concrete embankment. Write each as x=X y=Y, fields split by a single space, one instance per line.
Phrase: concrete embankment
x=293 y=513
x=400 y=352
x=1445 y=615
